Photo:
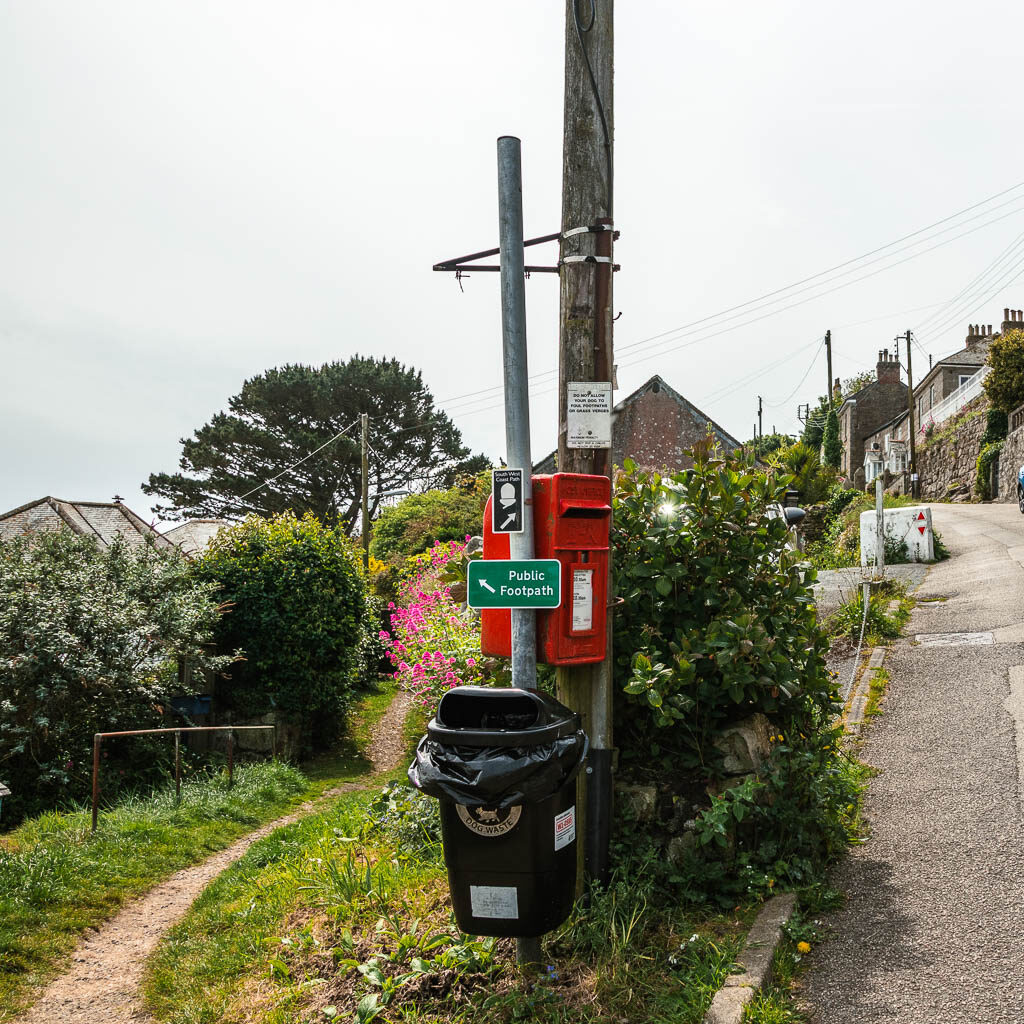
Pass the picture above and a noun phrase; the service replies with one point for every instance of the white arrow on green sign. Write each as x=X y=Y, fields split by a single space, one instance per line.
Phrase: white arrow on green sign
x=527 y=583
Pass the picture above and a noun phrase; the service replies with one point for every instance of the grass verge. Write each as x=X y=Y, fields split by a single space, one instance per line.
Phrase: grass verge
x=57 y=878
x=333 y=918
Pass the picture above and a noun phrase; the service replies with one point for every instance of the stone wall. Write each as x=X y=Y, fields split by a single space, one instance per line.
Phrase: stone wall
x=948 y=463
x=1011 y=458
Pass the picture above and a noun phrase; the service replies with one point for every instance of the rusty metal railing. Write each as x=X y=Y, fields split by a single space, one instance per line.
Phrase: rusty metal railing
x=99 y=737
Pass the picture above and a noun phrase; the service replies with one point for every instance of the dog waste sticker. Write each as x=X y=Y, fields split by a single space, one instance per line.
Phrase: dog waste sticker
x=486 y=822
x=565 y=828
x=494 y=901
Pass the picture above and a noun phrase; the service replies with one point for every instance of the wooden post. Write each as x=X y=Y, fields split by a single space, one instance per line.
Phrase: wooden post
x=586 y=351
x=95 y=779
x=177 y=767
x=828 y=359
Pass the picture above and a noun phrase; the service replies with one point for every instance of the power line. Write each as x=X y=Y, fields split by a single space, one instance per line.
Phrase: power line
x=939 y=313
x=807 y=373
x=685 y=329
x=295 y=465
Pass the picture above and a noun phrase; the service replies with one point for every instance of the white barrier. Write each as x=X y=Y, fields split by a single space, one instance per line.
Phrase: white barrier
x=912 y=525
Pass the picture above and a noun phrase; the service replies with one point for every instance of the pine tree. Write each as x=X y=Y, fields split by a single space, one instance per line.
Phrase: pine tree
x=229 y=465
x=831 y=449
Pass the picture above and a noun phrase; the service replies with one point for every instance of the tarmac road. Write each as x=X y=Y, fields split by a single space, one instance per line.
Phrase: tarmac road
x=933 y=925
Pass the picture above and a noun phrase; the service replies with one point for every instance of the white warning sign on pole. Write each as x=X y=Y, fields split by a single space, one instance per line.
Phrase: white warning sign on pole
x=507 y=501
x=588 y=414
x=582 y=600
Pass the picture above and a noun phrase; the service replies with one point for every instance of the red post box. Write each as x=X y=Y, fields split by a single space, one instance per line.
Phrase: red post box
x=571 y=522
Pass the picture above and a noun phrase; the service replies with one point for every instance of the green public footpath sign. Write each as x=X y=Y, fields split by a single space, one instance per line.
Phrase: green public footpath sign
x=532 y=583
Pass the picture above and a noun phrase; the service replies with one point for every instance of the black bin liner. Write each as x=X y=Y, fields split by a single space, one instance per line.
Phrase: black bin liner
x=497 y=748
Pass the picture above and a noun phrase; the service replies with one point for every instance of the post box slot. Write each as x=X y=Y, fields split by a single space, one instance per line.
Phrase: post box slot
x=571 y=511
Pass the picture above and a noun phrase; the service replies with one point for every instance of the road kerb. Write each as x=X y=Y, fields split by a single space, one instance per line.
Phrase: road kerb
x=756 y=960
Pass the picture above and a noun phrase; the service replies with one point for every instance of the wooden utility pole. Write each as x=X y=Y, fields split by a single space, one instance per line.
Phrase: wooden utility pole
x=828 y=356
x=364 y=420
x=912 y=468
x=585 y=350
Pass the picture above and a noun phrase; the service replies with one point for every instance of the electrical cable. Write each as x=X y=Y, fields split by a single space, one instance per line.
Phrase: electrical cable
x=939 y=313
x=975 y=304
x=685 y=329
x=807 y=373
x=295 y=465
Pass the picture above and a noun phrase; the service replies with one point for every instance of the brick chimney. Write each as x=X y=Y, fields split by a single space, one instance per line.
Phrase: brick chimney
x=1013 y=319
x=888 y=368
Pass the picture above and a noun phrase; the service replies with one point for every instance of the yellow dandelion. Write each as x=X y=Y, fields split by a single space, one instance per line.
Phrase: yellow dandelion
x=803 y=947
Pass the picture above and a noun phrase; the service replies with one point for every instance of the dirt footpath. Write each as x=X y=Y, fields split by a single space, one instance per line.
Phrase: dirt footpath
x=102 y=986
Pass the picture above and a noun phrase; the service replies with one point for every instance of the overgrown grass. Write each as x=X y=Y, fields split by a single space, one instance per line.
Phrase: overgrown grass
x=329 y=919
x=776 y=1003
x=877 y=688
x=57 y=878
x=882 y=624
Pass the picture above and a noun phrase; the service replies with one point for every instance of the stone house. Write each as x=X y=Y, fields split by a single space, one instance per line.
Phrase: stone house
x=887 y=450
x=956 y=371
x=867 y=411
x=654 y=426
x=102 y=520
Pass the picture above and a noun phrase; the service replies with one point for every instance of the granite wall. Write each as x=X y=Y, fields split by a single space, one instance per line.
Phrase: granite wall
x=948 y=463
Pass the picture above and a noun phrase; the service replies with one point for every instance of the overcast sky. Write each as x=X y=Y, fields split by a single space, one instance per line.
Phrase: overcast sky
x=193 y=192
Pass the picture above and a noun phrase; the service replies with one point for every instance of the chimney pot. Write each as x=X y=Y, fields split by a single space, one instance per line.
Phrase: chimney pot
x=988 y=333
x=1006 y=314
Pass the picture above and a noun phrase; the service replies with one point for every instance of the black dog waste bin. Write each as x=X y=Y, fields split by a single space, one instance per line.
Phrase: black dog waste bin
x=503 y=763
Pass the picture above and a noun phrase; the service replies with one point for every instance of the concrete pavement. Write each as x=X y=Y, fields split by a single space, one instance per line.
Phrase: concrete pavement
x=933 y=926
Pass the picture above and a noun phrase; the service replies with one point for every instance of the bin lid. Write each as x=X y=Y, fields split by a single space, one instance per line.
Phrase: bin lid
x=486 y=716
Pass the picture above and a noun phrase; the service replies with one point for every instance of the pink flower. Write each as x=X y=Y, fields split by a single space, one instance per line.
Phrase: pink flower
x=470 y=662
x=403 y=667
x=384 y=636
x=450 y=677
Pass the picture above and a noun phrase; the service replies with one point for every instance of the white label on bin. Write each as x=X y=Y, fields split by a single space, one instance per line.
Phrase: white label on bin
x=485 y=822
x=494 y=901
x=565 y=827
x=582 y=600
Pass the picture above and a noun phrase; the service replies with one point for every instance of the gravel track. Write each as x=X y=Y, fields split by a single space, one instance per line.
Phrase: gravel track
x=933 y=928
x=102 y=985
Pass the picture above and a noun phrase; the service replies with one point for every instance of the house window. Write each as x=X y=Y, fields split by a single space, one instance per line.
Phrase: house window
x=931 y=395
x=964 y=378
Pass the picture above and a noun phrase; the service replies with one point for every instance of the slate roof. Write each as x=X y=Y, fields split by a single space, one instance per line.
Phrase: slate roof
x=194 y=535
x=101 y=520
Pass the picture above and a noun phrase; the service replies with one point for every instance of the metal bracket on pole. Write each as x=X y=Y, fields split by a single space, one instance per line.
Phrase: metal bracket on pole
x=463 y=265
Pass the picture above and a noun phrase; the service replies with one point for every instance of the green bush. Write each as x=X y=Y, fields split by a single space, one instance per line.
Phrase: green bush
x=1004 y=385
x=988 y=454
x=718 y=624
x=997 y=425
x=298 y=611
x=800 y=461
x=421 y=520
x=90 y=641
